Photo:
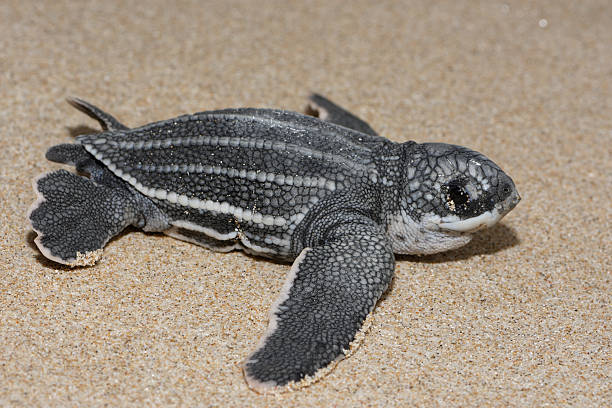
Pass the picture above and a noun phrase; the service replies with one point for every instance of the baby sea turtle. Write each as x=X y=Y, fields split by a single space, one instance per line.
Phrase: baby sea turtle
x=326 y=192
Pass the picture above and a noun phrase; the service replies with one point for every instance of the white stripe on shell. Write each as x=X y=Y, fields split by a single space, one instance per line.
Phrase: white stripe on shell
x=205 y=230
x=248 y=143
x=254 y=248
x=241 y=214
x=251 y=175
x=244 y=243
x=268 y=239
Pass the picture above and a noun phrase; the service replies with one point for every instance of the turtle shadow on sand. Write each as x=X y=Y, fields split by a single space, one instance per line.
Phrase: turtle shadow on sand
x=79 y=130
x=488 y=241
x=40 y=258
x=47 y=263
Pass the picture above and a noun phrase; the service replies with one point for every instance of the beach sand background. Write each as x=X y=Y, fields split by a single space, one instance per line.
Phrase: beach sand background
x=520 y=317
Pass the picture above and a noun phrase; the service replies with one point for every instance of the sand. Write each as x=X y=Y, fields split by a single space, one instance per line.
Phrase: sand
x=519 y=317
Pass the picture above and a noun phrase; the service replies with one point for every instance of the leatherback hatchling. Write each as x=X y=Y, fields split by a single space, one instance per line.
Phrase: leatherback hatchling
x=323 y=190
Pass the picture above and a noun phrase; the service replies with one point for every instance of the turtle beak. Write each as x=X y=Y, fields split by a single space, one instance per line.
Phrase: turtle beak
x=510 y=202
x=484 y=220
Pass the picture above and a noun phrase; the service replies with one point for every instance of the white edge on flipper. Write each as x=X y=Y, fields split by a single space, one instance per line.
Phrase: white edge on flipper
x=271 y=386
x=86 y=259
x=39 y=235
x=486 y=219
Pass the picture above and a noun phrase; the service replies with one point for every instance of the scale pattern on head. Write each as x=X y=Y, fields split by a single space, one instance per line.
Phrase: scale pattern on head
x=448 y=192
x=448 y=180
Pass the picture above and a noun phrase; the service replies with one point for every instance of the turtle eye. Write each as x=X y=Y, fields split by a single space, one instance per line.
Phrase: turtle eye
x=506 y=190
x=456 y=196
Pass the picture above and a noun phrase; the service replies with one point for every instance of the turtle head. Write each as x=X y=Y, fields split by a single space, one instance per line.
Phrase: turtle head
x=449 y=192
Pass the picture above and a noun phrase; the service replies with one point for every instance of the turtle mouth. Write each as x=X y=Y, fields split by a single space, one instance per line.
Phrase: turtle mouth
x=484 y=220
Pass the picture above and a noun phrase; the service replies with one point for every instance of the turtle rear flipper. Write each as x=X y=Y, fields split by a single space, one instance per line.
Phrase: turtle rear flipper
x=106 y=120
x=328 y=111
x=75 y=217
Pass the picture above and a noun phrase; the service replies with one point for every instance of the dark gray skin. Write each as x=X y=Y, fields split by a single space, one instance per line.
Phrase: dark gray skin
x=327 y=193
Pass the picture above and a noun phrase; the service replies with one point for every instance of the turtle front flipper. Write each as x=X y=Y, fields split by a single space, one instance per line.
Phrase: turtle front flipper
x=328 y=111
x=328 y=294
x=75 y=217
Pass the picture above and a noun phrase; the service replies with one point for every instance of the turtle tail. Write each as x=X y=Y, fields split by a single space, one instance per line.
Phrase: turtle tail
x=75 y=217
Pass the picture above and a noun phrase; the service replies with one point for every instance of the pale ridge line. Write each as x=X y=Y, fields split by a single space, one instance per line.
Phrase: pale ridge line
x=188 y=225
x=247 y=215
x=269 y=239
x=206 y=116
x=223 y=141
x=244 y=238
x=251 y=175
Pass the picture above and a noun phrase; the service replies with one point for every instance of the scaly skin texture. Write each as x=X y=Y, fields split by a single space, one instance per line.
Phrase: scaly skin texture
x=327 y=192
